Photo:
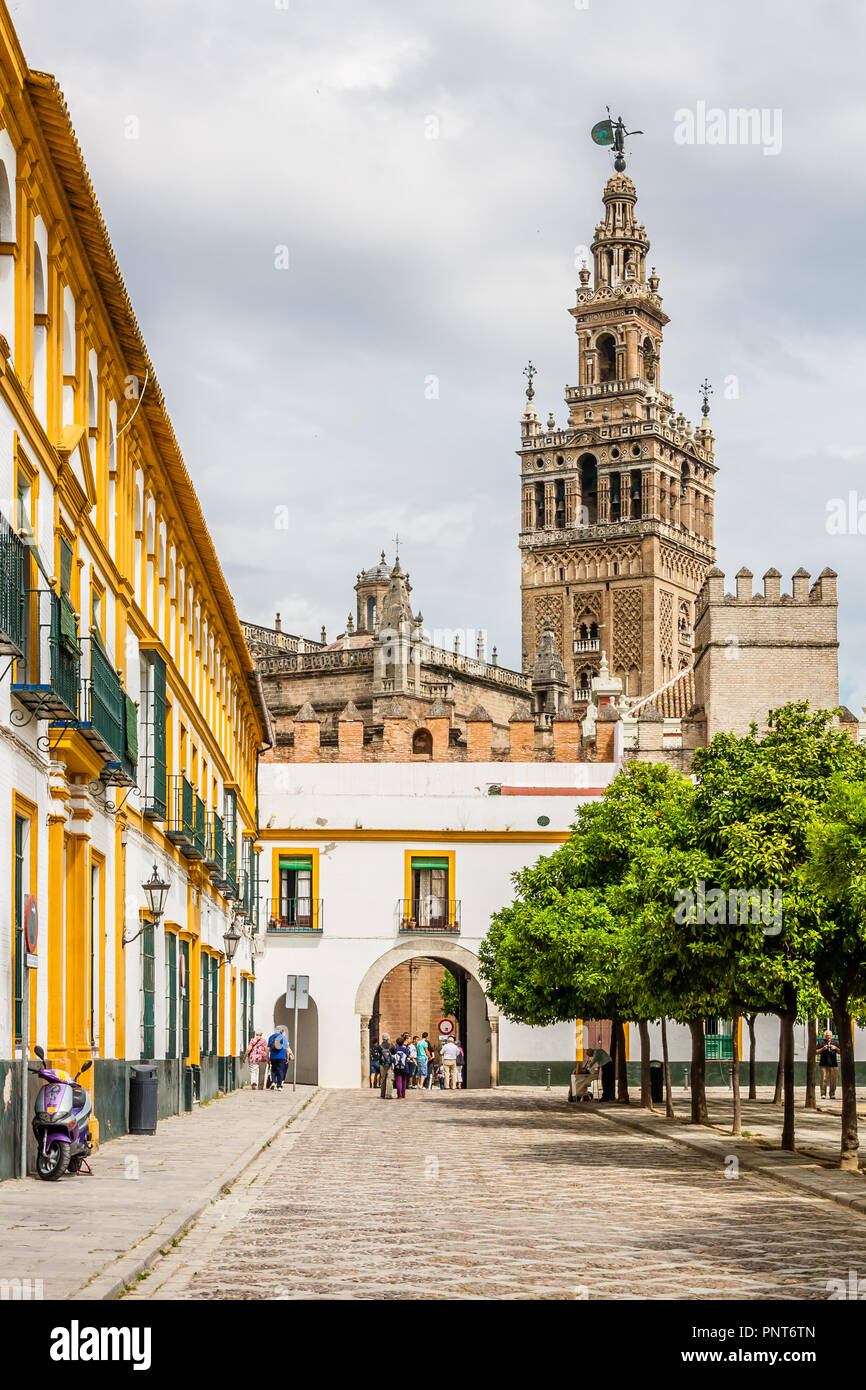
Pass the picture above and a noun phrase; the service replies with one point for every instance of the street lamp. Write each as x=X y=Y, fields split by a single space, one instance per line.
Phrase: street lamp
x=155 y=891
x=231 y=938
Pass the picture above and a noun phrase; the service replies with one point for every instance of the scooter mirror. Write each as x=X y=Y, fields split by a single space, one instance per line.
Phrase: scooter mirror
x=86 y=1067
x=39 y=1053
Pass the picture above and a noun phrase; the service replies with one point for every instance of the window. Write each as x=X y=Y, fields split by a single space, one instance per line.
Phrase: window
x=430 y=891
x=422 y=743
x=246 y=1030
x=148 y=981
x=170 y=994
x=296 y=892
x=214 y=1006
x=96 y=947
x=589 y=487
x=66 y=557
x=153 y=717
x=184 y=959
x=606 y=348
x=371 y=614
x=205 y=1004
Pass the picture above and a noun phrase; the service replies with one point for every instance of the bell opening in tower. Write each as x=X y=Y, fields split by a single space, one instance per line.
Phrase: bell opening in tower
x=589 y=487
x=606 y=349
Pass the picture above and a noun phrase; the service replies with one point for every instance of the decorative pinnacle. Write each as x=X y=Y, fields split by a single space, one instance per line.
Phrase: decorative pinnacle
x=529 y=372
x=706 y=391
x=613 y=132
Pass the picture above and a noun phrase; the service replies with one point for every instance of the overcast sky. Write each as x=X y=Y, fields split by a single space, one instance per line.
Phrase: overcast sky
x=308 y=125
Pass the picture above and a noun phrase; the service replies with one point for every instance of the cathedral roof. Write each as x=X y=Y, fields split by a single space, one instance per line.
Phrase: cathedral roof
x=380 y=571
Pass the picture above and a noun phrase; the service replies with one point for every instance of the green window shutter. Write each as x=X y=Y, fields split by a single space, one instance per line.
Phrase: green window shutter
x=286 y=863
x=171 y=994
x=184 y=951
x=215 y=1008
x=205 y=1004
x=427 y=863
x=66 y=558
x=148 y=982
x=131 y=728
x=157 y=742
x=19 y=971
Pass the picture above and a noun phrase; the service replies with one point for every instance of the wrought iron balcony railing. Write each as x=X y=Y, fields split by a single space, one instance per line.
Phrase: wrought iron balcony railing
x=48 y=674
x=12 y=596
x=429 y=914
x=214 y=853
x=180 y=823
x=110 y=722
x=295 y=915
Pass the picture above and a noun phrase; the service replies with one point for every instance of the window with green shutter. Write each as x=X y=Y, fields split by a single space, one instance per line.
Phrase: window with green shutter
x=170 y=994
x=66 y=558
x=18 y=964
x=205 y=1004
x=215 y=1007
x=153 y=750
x=148 y=981
x=184 y=955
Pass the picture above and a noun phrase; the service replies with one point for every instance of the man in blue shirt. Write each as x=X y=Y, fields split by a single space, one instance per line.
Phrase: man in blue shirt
x=279 y=1053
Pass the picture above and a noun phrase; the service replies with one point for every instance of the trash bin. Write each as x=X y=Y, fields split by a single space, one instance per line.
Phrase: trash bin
x=143 y=1099
x=657 y=1081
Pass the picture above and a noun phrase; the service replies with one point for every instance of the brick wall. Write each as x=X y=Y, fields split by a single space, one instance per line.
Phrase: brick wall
x=409 y=999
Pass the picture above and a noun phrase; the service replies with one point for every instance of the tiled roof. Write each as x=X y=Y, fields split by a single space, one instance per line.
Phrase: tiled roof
x=679 y=698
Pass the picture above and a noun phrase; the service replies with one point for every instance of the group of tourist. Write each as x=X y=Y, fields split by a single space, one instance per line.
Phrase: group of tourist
x=412 y=1064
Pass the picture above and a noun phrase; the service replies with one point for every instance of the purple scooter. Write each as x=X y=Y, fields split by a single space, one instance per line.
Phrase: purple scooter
x=62 y=1122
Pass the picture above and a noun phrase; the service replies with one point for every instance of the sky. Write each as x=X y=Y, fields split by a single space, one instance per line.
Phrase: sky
x=346 y=225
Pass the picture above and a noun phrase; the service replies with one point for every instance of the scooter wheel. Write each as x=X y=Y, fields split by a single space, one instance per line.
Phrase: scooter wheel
x=52 y=1165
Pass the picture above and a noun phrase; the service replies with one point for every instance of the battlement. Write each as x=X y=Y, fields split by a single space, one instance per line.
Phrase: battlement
x=822 y=591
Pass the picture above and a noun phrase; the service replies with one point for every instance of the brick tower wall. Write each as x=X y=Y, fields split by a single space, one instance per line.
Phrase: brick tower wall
x=409 y=999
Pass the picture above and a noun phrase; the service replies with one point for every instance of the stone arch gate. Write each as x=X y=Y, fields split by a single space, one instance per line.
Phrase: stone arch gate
x=448 y=953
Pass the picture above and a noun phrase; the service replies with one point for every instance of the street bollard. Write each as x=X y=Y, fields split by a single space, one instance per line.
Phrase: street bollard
x=685 y=1078
x=548 y=1079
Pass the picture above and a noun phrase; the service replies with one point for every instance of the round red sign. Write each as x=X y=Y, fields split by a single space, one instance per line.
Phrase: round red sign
x=446 y=1027
x=31 y=923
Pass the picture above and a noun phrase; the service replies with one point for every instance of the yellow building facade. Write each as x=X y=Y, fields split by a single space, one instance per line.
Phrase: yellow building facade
x=131 y=717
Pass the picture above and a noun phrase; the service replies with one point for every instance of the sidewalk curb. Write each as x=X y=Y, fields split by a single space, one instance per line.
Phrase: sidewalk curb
x=783 y=1168
x=112 y=1282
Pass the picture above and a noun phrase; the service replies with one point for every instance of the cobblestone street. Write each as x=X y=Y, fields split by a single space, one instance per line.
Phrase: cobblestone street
x=500 y=1195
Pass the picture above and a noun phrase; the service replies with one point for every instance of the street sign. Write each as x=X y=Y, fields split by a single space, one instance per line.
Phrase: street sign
x=31 y=960
x=446 y=1027
x=31 y=923
x=299 y=984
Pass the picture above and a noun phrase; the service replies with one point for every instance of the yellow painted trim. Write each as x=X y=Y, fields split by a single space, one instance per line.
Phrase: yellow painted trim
x=233 y=1015
x=410 y=854
x=578 y=1040
x=25 y=808
x=311 y=853
x=625 y=1029
x=56 y=944
x=119 y=949
x=425 y=836
x=97 y=860
x=79 y=756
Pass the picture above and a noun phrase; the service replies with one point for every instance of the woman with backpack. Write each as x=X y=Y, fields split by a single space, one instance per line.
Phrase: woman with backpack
x=401 y=1067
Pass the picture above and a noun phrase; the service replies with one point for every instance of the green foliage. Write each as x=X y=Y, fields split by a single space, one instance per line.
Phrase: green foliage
x=449 y=993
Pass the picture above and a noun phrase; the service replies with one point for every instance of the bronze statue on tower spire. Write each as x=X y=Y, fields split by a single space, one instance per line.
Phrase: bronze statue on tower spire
x=613 y=132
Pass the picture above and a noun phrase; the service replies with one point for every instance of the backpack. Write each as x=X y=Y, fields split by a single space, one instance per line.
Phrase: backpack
x=400 y=1060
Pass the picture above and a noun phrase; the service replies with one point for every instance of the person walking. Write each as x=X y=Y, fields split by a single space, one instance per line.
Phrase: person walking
x=461 y=1063
x=386 y=1068
x=280 y=1054
x=257 y=1056
x=375 y=1065
x=422 y=1051
x=412 y=1065
x=401 y=1067
x=828 y=1054
x=450 y=1054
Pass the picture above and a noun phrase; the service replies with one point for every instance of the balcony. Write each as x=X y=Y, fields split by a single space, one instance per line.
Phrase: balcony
x=430 y=914
x=296 y=915
x=583 y=696
x=180 y=823
x=227 y=881
x=51 y=660
x=214 y=848
x=587 y=644
x=12 y=596
x=110 y=722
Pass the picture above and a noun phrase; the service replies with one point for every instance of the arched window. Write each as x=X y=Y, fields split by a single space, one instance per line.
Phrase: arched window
x=606 y=349
x=589 y=487
x=539 y=506
x=422 y=744
x=371 y=614
x=560 y=503
x=38 y=281
x=684 y=478
x=7 y=224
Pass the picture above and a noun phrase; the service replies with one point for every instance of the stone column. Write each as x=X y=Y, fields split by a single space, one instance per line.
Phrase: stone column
x=365 y=1050
x=603 y=498
x=494 y=1050
x=549 y=506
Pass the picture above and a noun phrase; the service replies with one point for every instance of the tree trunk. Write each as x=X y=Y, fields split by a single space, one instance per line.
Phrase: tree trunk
x=737 y=1121
x=811 y=1049
x=669 y=1098
x=786 y=1032
x=699 y=1073
x=753 y=1089
x=849 y=1151
x=608 y=1071
x=621 y=1065
x=777 y=1094
x=646 y=1098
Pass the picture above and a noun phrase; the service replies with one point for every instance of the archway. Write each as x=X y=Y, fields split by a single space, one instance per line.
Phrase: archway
x=307 y=1049
x=479 y=1021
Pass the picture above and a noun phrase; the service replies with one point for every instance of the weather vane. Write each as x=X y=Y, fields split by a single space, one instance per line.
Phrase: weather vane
x=613 y=132
x=529 y=372
x=706 y=391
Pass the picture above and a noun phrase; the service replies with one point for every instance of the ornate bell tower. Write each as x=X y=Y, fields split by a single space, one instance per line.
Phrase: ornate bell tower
x=617 y=505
